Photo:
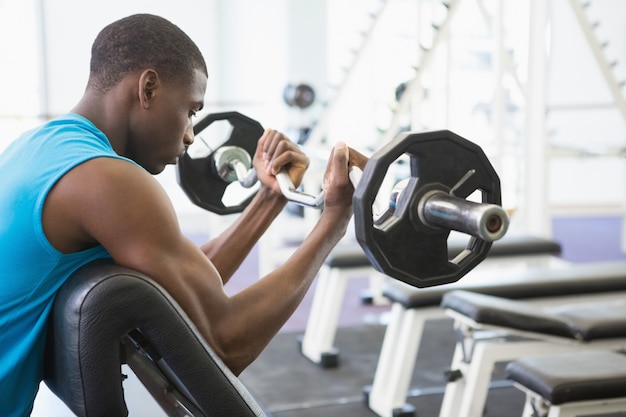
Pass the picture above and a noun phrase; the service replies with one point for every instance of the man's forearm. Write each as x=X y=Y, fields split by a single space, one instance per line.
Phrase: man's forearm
x=264 y=307
x=228 y=250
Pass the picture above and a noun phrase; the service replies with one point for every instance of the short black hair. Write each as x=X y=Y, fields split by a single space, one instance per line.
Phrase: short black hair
x=139 y=42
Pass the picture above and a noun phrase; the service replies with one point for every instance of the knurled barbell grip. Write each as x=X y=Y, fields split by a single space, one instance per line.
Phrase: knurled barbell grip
x=486 y=221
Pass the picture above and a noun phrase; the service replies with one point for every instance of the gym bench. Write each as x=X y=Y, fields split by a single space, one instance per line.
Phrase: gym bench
x=571 y=384
x=589 y=314
x=106 y=315
x=412 y=307
x=349 y=261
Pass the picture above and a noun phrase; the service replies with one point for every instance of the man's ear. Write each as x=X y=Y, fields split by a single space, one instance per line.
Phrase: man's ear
x=149 y=83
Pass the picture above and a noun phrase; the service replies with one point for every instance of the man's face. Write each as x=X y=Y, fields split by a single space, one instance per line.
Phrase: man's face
x=167 y=126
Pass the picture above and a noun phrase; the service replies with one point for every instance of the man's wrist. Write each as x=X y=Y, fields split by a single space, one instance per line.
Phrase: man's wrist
x=271 y=197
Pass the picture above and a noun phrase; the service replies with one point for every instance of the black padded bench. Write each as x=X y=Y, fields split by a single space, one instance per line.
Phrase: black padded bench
x=571 y=384
x=494 y=329
x=106 y=315
x=412 y=307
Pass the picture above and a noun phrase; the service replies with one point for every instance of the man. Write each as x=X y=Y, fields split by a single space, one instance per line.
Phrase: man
x=79 y=188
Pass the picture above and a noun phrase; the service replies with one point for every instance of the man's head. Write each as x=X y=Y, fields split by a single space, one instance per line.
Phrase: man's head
x=147 y=81
x=142 y=41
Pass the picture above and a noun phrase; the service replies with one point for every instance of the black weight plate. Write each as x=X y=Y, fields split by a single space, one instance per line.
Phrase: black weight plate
x=404 y=248
x=197 y=177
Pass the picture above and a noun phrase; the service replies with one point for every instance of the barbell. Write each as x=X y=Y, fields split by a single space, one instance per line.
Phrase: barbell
x=406 y=238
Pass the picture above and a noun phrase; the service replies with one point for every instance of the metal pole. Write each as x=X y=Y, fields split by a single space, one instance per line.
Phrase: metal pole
x=535 y=205
x=44 y=91
x=498 y=104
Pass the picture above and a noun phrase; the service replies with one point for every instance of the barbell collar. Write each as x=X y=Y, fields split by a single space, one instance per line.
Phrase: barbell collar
x=439 y=209
x=233 y=163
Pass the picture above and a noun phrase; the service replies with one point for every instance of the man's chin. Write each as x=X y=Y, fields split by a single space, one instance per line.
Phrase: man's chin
x=156 y=170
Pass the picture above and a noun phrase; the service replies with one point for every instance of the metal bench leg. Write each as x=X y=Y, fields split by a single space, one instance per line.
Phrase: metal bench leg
x=467 y=395
x=455 y=388
x=376 y=287
x=396 y=363
x=319 y=335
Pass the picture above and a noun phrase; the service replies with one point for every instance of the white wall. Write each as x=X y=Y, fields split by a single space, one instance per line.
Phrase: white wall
x=19 y=70
x=580 y=111
x=72 y=25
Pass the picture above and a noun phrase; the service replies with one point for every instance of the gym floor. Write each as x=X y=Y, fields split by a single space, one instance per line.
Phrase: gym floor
x=584 y=239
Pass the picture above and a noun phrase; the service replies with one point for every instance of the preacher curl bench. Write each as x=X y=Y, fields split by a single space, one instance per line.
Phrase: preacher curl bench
x=106 y=315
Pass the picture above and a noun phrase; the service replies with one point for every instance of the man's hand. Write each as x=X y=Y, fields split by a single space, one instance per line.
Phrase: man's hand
x=337 y=187
x=275 y=152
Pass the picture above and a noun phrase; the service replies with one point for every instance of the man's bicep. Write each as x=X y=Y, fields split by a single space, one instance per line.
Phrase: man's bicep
x=133 y=218
x=125 y=210
x=131 y=215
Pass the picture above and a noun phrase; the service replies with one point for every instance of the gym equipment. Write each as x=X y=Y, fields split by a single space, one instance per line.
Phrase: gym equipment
x=348 y=261
x=571 y=384
x=106 y=315
x=301 y=96
x=407 y=240
x=412 y=245
x=493 y=329
x=198 y=178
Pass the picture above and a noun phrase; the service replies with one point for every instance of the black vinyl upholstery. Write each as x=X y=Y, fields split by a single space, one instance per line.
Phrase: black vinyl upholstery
x=588 y=321
x=93 y=315
x=577 y=279
x=572 y=377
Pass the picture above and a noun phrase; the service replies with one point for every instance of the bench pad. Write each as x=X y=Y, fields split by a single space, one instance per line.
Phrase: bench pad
x=568 y=377
x=97 y=307
x=588 y=278
x=585 y=322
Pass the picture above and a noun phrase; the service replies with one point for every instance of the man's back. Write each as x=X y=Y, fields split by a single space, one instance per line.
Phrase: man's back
x=31 y=269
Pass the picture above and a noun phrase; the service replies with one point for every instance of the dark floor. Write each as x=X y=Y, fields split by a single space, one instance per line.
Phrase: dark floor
x=298 y=388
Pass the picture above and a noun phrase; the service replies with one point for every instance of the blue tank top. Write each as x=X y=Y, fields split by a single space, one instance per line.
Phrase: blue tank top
x=31 y=269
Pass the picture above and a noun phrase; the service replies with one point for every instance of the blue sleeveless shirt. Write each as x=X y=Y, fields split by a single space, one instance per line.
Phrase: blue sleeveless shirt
x=31 y=269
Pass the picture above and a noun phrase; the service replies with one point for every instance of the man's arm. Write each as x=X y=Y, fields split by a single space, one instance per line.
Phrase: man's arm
x=123 y=208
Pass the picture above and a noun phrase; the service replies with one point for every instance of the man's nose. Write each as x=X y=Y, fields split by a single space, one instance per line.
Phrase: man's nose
x=189 y=136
